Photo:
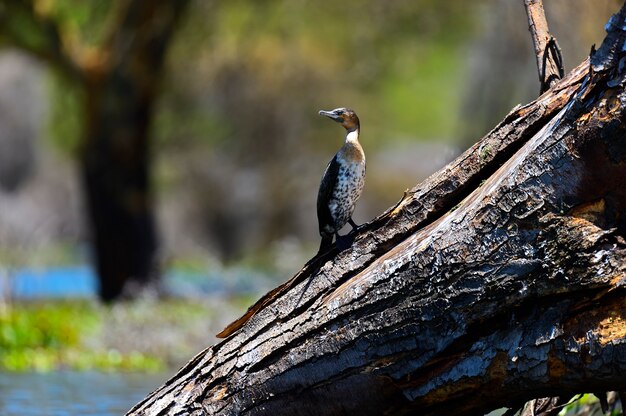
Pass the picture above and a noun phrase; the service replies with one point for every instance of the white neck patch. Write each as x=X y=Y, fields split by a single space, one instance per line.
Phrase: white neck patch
x=353 y=136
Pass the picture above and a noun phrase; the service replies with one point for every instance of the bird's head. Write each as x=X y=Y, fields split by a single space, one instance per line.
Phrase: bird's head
x=345 y=116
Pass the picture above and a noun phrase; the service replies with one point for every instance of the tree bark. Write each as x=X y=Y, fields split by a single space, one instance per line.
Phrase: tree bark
x=497 y=280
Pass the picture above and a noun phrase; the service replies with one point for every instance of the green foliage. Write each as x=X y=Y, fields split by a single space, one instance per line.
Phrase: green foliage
x=49 y=336
x=33 y=337
x=238 y=63
x=575 y=406
x=44 y=326
x=587 y=404
x=53 y=28
x=67 y=112
x=418 y=103
x=83 y=26
x=22 y=26
x=136 y=336
x=84 y=22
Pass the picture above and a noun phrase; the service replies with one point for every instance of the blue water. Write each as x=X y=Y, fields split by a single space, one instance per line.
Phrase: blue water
x=72 y=393
x=52 y=282
x=79 y=281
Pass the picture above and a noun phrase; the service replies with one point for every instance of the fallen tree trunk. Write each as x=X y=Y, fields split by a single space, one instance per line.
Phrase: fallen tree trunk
x=497 y=280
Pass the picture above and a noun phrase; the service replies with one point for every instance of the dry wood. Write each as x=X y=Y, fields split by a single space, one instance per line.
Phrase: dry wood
x=547 y=52
x=498 y=280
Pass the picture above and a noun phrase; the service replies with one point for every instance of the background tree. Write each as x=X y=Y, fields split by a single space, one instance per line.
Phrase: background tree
x=117 y=77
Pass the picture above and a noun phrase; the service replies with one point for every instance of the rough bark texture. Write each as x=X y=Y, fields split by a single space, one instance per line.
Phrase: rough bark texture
x=498 y=280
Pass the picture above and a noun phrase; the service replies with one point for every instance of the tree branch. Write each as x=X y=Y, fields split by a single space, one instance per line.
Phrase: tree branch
x=141 y=35
x=23 y=26
x=547 y=51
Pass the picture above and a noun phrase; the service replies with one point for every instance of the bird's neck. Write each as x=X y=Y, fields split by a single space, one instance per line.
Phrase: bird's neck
x=352 y=136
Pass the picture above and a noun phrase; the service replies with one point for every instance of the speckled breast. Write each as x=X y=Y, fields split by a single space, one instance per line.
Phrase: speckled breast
x=348 y=188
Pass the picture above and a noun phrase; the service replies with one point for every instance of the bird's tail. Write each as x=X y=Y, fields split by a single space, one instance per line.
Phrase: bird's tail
x=327 y=242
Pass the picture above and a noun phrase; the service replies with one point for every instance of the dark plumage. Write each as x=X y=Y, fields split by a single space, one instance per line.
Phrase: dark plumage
x=343 y=180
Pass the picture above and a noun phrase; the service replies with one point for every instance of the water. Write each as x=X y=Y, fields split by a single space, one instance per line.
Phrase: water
x=76 y=281
x=72 y=393
x=80 y=281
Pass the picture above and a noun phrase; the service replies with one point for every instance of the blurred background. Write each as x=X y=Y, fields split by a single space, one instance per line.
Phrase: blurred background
x=159 y=161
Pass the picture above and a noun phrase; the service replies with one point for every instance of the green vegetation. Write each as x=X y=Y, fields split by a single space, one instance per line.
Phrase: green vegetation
x=399 y=65
x=66 y=114
x=587 y=404
x=58 y=254
x=485 y=153
x=45 y=337
x=81 y=335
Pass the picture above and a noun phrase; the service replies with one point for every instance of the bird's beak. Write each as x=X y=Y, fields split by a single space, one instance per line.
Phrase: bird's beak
x=332 y=115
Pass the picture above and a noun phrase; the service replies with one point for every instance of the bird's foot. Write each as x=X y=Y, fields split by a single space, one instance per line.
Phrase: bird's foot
x=344 y=241
x=355 y=227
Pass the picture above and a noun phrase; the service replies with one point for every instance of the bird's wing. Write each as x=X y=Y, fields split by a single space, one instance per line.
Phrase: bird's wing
x=329 y=180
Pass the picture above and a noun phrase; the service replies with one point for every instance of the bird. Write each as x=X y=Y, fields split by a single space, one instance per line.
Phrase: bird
x=342 y=182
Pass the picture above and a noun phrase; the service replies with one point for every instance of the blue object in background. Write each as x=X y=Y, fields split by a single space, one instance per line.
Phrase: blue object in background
x=53 y=282
x=80 y=281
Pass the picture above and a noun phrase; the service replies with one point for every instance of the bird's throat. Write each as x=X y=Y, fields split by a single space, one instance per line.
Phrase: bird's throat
x=351 y=151
x=352 y=136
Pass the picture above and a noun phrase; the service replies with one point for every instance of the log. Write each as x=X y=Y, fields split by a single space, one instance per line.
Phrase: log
x=498 y=280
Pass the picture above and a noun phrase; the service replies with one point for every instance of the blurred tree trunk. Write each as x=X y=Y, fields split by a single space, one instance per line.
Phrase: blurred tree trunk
x=120 y=80
x=499 y=279
x=121 y=92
